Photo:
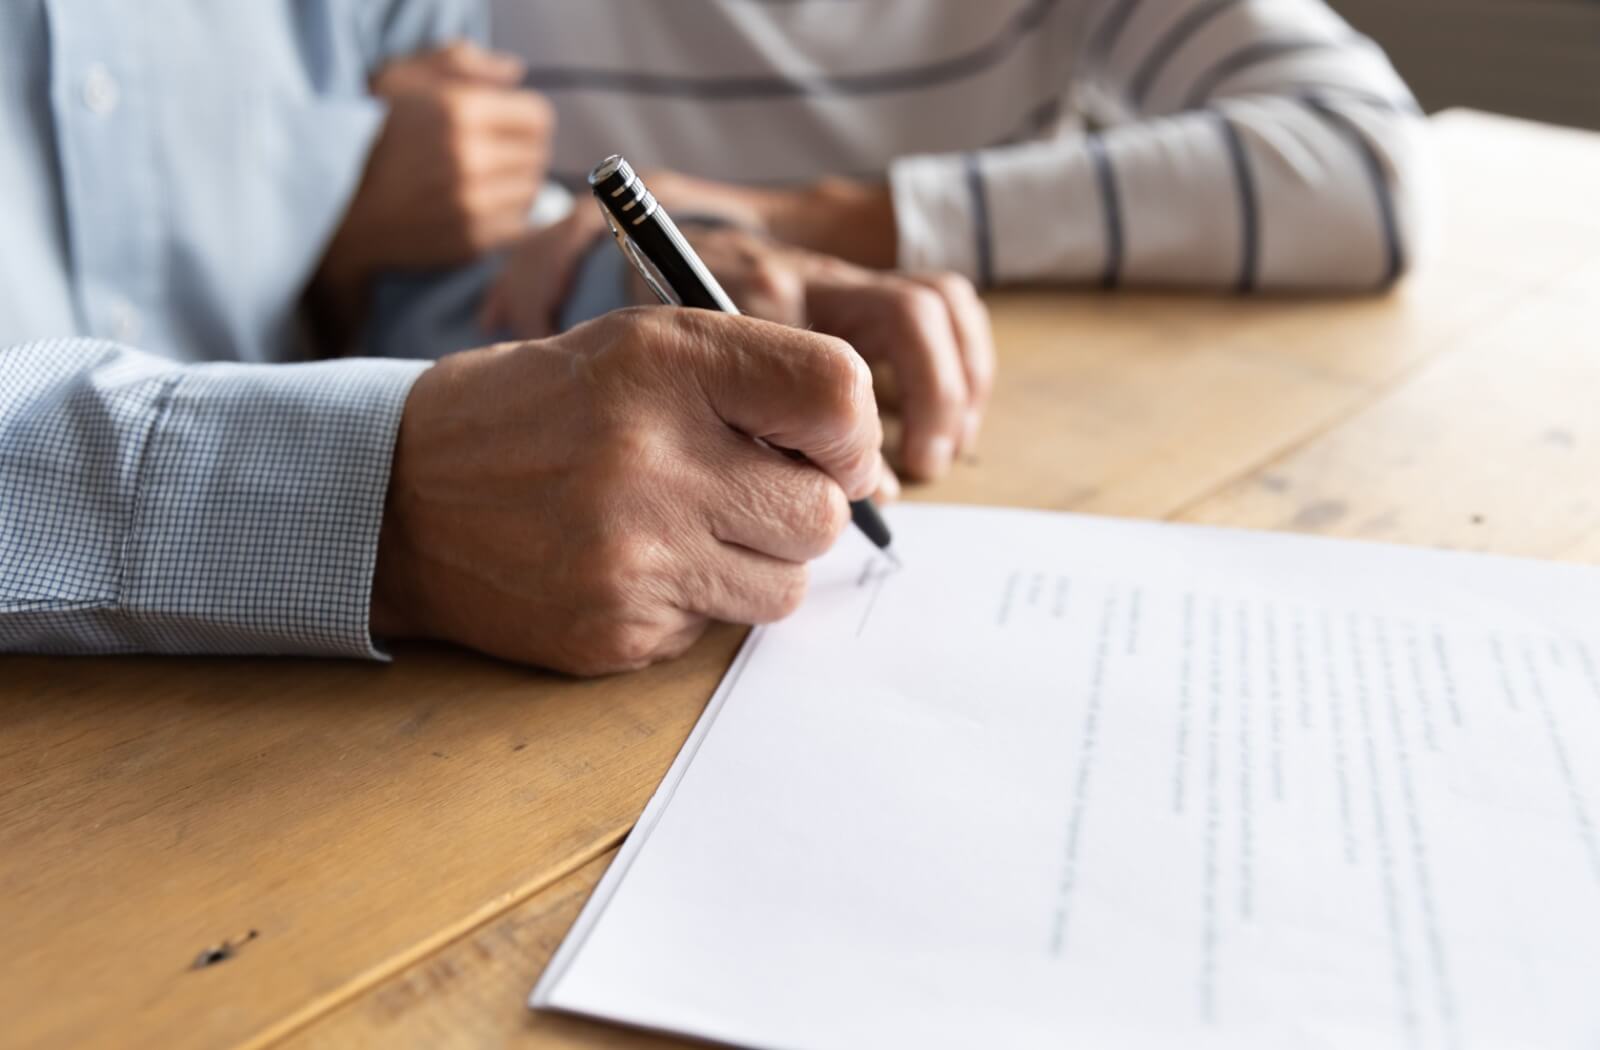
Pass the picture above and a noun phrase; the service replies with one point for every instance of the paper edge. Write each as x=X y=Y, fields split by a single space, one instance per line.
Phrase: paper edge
x=544 y=990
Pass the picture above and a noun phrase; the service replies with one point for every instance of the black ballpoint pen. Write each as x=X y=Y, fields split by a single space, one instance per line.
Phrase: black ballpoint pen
x=648 y=237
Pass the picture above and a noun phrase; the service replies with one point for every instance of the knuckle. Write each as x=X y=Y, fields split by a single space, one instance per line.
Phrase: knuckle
x=955 y=287
x=789 y=592
x=632 y=645
x=845 y=379
x=825 y=514
x=634 y=327
x=920 y=307
x=617 y=574
x=635 y=341
x=771 y=278
x=630 y=456
x=679 y=642
x=600 y=644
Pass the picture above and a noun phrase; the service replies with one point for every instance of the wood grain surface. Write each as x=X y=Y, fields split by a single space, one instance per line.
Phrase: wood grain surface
x=213 y=853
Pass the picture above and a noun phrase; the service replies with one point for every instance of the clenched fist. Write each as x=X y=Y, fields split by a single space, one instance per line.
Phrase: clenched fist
x=589 y=502
x=454 y=170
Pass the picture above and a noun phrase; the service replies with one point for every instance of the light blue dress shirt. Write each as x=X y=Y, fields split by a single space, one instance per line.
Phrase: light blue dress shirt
x=170 y=172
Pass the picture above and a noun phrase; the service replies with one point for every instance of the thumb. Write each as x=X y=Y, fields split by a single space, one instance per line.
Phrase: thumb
x=797 y=390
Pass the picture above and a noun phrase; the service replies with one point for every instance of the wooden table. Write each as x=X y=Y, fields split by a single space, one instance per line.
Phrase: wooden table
x=386 y=856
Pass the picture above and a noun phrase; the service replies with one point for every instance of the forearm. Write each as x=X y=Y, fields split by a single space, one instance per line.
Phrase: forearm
x=151 y=507
x=1253 y=194
x=847 y=218
x=1243 y=146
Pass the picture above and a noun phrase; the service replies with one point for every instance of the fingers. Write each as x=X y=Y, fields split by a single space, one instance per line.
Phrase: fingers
x=509 y=196
x=458 y=63
x=769 y=503
x=738 y=585
x=909 y=326
x=888 y=485
x=465 y=60
x=933 y=387
x=606 y=643
x=490 y=159
x=793 y=389
x=768 y=515
x=762 y=278
x=975 y=340
x=518 y=115
x=537 y=276
x=497 y=148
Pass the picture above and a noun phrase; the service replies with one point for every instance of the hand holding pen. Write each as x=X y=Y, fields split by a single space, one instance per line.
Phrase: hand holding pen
x=925 y=334
x=646 y=234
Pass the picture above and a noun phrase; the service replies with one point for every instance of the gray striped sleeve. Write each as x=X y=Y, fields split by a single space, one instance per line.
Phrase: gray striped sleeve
x=1241 y=144
x=1315 y=135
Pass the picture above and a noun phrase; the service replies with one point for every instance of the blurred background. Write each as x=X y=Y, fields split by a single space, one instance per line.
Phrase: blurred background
x=1538 y=59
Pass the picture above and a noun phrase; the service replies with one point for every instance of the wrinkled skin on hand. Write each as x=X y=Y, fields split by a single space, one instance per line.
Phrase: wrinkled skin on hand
x=926 y=335
x=591 y=501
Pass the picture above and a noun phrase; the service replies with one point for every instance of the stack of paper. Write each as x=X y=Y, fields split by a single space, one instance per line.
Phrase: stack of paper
x=1075 y=782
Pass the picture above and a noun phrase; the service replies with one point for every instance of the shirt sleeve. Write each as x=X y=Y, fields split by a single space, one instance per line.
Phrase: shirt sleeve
x=147 y=506
x=1244 y=144
x=396 y=28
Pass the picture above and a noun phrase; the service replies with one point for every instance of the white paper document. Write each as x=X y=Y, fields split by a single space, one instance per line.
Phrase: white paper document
x=1076 y=782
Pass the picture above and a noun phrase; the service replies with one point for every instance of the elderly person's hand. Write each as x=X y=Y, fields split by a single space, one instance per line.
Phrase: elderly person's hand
x=926 y=336
x=589 y=502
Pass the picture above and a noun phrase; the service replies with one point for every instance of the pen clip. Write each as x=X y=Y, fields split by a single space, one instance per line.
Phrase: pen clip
x=652 y=277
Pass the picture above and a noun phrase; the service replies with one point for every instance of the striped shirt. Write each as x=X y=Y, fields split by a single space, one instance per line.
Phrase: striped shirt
x=1225 y=143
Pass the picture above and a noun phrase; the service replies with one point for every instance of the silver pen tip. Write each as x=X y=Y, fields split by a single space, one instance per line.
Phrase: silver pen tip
x=888 y=552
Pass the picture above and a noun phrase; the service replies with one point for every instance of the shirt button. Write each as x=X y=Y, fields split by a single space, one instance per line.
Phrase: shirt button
x=100 y=95
x=124 y=321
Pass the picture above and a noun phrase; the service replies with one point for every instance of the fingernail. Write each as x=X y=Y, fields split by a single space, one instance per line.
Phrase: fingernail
x=940 y=451
x=889 y=485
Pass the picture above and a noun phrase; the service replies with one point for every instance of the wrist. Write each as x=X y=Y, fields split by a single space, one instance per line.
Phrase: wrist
x=390 y=615
x=847 y=218
x=396 y=609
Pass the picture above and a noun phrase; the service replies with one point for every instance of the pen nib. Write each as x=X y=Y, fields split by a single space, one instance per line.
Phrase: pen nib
x=894 y=559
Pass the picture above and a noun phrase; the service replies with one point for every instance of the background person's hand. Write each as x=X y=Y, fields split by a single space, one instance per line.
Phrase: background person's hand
x=535 y=279
x=454 y=170
x=589 y=502
x=926 y=336
x=526 y=297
